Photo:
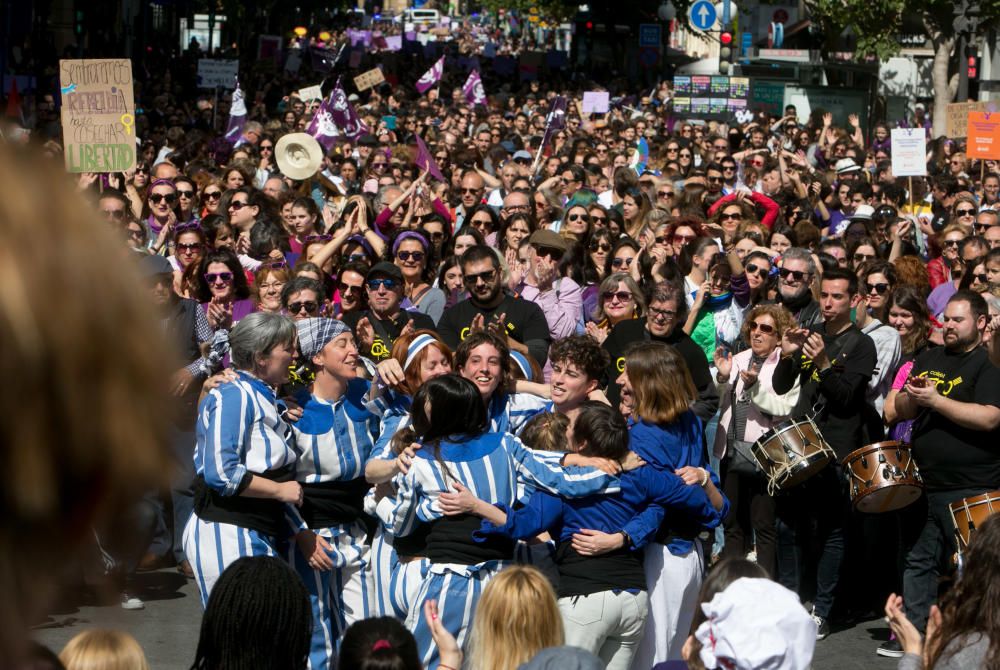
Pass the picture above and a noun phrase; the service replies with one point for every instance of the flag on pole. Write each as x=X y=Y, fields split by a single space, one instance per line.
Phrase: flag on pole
x=473 y=89
x=322 y=126
x=432 y=76
x=425 y=160
x=345 y=117
x=237 y=117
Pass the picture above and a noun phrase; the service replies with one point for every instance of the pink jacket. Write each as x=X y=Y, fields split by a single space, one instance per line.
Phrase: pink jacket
x=767 y=408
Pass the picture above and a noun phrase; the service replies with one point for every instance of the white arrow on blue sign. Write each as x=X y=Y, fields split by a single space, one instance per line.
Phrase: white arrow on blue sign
x=702 y=15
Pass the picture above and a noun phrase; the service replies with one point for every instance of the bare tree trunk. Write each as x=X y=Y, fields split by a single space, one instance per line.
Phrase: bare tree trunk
x=944 y=88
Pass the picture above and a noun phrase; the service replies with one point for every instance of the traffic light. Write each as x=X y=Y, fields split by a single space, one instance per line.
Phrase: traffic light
x=78 y=22
x=725 y=52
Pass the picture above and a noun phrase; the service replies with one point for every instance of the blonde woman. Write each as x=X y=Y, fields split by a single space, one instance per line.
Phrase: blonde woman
x=516 y=618
x=103 y=650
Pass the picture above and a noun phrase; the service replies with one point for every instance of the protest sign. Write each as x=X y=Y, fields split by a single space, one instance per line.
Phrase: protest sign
x=956 y=120
x=366 y=80
x=98 y=114
x=311 y=92
x=984 y=135
x=595 y=102
x=909 y=152
x=212 y=73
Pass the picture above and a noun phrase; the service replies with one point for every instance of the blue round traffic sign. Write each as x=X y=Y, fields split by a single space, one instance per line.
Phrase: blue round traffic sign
x=702 y=15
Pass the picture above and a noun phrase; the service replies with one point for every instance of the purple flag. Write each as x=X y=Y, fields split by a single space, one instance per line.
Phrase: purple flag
x=432 y=76
x=237 y=117
x=473 y=89
x=322 y=127
x=425 y=160
x=344 y=115
x=556 y=120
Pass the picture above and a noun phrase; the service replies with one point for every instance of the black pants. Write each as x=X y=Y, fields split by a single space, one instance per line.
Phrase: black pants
x=929 y=541
x=816 y=510
x=751 y=515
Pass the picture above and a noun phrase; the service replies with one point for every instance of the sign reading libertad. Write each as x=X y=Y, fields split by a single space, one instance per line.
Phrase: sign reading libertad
x=98 y=114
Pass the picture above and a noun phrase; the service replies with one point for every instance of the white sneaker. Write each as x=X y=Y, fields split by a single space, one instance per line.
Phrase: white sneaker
x=130 y=602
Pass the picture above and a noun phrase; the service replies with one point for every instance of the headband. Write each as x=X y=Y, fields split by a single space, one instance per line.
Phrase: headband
x=523 y=363
x=161 y=182
x=358 y=239
x=419 y=343
x=409 y=235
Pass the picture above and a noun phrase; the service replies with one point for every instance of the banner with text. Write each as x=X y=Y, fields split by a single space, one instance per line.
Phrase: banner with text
x=710 y=96
x=98 y=114
x=909 y=152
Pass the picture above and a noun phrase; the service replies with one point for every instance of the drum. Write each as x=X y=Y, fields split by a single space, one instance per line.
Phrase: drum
x=882 y=477
x=968 y=513
x=791 y=452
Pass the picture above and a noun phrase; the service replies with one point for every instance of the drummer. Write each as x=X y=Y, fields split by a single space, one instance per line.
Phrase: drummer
x=954 y=393
x=833 y=362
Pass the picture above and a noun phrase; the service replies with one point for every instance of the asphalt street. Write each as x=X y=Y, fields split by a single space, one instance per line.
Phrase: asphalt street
x=168 y=628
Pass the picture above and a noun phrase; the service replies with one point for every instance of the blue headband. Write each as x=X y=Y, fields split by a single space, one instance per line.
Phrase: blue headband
x=523 y=363
x=419 y=343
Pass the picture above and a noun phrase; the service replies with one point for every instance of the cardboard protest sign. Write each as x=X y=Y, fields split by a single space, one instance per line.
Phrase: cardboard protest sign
x=984 y=135
x=909 y=152
x=311 y=92
x=956 y=120
x=595 y=102
x=366 y=80
x=98 y=114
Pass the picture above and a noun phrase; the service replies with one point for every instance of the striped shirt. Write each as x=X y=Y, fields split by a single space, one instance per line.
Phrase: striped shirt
x=240 y=430
x=490 y=466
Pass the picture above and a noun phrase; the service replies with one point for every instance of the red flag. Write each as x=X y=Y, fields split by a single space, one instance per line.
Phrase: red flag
x=14 y=102
x=425 y=160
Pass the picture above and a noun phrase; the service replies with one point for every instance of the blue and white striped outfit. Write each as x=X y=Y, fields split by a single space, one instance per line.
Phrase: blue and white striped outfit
x=333 y=441
x=509 y=412
x=239 y=431
x=396 y=581
x=490 y=466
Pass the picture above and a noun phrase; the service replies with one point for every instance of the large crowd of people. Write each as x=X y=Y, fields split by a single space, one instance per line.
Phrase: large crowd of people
x=595 y=398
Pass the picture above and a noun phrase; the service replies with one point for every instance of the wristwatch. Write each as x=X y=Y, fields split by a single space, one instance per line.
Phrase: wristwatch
x=628 y=538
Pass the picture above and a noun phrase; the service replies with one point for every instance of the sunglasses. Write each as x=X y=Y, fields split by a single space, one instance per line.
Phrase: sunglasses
x=618 y=262
x=597 y=246
x=672 y=150
x=185 y=194
x=599 y=219
x=965 y=212
x=142 y=170
x=487 y=277
x=471 y=190
x=274 y=265
x=266 y=147
x=406 y=256
x=347 y=288
x=622 y=296
x=952 y=243
x=379 y=166
x=682 y=239
x=116 y=214
x=880 y=288
x=578 y=217
x=212 y=277
x=665 y=194
x=981 y=227
x=754 y=269
x=861 y=258
x=796 y=275
x=762 y=327
x=435 y=236
x=388 y=284
x=238 y=205
x=354 y=258
x=309 y=305
x=730 y=216
x=157 y=198
x=714 y=180
x=981 y=278
x=485 y=223
x=212 y=195
x=550 y=252
x=188 y=248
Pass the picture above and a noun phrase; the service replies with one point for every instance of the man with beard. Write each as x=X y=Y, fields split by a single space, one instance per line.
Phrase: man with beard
x=488 y=306
x=188 y=330
x=667 y=309
x=377 y=327
x=953 y=392
x=794 y=286
x=560 y=298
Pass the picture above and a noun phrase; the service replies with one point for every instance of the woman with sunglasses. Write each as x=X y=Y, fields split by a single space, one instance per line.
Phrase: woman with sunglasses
x=728 y=207
x=876 y=279
x=749 y=408
x=939 y=270
x=189 y=247
x=619 y=298
x=187 y=200
x=598 y=256
x=576 y=223
x=758 y=265
x=861 y=250
x=160 y=212
x=624 y=257
x=211 y=196
x=222 y=289
x=413 y=255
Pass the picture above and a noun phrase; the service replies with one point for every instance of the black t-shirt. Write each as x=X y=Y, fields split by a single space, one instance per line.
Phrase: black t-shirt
x=525 y=324
x=386 y=331
x=948 y=455
x=634 y=330
x=839 y=392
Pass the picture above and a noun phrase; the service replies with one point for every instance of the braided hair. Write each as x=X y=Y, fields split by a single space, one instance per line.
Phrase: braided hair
x=258 y=618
